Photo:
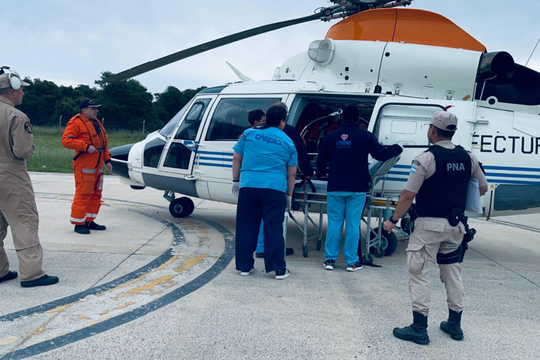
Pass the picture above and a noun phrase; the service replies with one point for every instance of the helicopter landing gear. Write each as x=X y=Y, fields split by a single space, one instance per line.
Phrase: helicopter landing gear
x=181 y=207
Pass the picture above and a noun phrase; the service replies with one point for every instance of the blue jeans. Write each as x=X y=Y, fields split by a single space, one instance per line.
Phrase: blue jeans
x=343 y=205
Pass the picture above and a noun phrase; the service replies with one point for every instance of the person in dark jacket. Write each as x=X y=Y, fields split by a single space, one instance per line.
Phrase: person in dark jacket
x=346 y=151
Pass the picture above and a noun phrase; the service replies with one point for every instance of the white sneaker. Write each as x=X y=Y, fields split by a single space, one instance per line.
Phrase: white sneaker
x=355 y=267
x=282 y=274
x=329 y=264
x=246 y=273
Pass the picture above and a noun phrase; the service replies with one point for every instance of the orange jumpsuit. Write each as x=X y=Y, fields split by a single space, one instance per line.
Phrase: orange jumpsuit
x=80 y=133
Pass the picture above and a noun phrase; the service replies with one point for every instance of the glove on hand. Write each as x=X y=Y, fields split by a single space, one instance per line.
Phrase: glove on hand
x=288 y=202
x=235 y=188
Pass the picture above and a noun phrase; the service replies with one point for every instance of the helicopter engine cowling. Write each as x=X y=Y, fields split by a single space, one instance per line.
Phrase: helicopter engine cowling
x=495 y=64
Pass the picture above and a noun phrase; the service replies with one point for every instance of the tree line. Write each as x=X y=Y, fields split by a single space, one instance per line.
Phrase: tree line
x=126 y=105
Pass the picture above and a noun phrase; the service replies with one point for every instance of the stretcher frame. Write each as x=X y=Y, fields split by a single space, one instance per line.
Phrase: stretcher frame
x=314 y=192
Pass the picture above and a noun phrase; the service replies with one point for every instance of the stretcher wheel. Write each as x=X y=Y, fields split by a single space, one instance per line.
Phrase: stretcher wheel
x=388 y=243
x=367 y=259
x=319 y=243
x=181 y=207
x=304 y=250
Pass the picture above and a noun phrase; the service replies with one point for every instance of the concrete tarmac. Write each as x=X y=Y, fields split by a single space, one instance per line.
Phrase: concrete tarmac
x=156 y=287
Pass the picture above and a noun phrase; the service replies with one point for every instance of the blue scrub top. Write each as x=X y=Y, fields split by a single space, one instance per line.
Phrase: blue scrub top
x=266 y=155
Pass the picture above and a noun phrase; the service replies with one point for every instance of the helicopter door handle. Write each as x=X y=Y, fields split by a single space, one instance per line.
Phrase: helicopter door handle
x=191 y=177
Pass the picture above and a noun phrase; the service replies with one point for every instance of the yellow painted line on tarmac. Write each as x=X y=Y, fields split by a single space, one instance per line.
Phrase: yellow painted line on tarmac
x=96 y=308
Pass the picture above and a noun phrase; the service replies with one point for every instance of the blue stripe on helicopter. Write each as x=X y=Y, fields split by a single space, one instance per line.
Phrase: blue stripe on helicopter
x=215 y=165
x=213 y=158
x=497 y=181
x=513 y=182
x=507 y=168
x=215 y=153
x=490 y=174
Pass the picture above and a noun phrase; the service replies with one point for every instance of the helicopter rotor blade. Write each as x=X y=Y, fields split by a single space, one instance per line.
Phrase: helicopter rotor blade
x=166 y=60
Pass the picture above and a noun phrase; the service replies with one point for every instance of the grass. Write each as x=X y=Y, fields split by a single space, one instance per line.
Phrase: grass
x=51 y=156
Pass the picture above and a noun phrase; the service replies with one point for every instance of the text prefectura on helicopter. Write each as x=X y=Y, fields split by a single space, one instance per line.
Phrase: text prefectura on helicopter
x=397 y=65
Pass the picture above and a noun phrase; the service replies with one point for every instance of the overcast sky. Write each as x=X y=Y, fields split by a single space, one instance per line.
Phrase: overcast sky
x=71 y=42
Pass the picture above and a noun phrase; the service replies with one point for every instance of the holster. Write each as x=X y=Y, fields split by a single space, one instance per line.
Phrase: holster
x=455 y=215
x=457 y=255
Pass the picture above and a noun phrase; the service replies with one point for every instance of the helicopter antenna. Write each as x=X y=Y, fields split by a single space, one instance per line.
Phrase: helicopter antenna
x=530 y=56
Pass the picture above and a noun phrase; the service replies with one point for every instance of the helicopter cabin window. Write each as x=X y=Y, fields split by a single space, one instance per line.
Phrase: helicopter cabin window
x=406 y=124
x=152 y=152
x=231 y=117
x=189 y=128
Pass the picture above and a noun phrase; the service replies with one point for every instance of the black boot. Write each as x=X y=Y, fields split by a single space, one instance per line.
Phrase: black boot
x=416 y=332
x=453 y=326
x=82 y=229
x=93 y=226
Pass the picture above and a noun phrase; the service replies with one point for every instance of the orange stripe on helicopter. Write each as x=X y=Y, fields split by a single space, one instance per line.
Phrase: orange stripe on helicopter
x=404 y=25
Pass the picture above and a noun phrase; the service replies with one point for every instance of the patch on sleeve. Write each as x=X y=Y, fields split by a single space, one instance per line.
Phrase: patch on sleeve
x=28 y=127
x=414 y=165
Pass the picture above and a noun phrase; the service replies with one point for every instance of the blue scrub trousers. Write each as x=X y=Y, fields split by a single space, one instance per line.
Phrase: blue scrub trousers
x=343 y=205
x=260 y=239
x=254 y=205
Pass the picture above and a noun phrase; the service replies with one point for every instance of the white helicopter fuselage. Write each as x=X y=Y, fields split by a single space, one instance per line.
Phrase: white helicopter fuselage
x=397 y=87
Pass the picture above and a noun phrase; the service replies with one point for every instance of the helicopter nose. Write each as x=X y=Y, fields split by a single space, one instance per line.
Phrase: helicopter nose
x=119 y=158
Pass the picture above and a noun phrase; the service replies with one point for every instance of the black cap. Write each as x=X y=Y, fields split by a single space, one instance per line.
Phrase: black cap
x=88 y=103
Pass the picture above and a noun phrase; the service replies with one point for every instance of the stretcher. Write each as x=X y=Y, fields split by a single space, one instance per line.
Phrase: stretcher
x=310 y=197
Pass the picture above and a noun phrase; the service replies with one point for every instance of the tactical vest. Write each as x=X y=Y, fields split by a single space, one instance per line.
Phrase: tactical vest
x=447 y=187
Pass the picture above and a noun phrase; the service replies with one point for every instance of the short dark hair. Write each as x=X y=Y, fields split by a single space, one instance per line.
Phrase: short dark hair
x=274 y=115
x=255 y=115
x=350 y=114
x=282 y=104
x=443 y=134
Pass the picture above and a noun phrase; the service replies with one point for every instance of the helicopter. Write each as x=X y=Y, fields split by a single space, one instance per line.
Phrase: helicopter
x=397 y=64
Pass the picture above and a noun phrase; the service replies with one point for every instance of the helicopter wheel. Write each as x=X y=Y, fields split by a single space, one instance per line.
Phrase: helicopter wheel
x=387 y=246
x=181 y=207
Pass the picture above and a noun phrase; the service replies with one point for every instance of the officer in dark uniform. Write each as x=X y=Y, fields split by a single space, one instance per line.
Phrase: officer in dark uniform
x=439 y=180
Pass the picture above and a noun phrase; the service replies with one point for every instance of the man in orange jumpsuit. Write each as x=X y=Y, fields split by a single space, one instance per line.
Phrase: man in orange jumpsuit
x=86 y=135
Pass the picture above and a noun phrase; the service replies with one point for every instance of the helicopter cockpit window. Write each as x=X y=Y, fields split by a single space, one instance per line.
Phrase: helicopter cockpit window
x=152 y=152
x=189 y=128
x=168 y=129
x=178 y=156
x=231 y=117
